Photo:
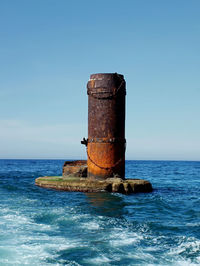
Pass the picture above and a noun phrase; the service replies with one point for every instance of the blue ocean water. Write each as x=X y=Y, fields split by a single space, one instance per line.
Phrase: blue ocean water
x=46 y=227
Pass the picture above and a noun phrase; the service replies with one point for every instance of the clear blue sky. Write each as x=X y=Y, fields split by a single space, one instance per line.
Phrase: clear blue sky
x=49 y=48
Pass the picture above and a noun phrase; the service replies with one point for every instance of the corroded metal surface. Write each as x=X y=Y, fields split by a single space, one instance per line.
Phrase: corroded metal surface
x=106 y=126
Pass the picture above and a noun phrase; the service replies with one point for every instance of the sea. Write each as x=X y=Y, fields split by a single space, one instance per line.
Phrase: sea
x=47 y=227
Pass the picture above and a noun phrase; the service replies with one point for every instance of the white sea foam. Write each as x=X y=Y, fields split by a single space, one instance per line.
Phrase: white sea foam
x=187 y=246
x=35 y=249
x=193 y=224
x=26 y=242
x=100 y=260
x=185 y=263
x=92 y=225
x=191 y=244
x=124 y=238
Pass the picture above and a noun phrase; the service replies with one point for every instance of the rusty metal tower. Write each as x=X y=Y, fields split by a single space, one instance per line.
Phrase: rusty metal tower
x=104 y=169
x=106 y=141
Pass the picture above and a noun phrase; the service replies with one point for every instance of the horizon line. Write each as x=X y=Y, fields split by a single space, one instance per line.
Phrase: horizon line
x=169 y=160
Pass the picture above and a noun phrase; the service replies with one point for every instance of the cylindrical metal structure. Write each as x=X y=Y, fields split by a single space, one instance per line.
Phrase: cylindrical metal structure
x=106 y=142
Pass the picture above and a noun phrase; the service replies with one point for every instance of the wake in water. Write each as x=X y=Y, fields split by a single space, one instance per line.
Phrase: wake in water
x=45 y=227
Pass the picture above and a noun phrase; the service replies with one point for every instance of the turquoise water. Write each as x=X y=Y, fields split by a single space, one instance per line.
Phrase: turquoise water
x=46 y=227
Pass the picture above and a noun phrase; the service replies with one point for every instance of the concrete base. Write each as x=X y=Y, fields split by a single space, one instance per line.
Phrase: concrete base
x=118 y=185
x=75 y=168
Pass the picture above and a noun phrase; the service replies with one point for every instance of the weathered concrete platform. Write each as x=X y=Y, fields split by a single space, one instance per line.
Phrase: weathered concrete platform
x=80 y=184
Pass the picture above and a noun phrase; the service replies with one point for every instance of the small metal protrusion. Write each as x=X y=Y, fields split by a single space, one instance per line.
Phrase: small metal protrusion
x=84 y=142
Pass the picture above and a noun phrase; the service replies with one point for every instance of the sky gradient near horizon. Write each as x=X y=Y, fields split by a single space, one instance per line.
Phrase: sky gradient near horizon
x=49 y=48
